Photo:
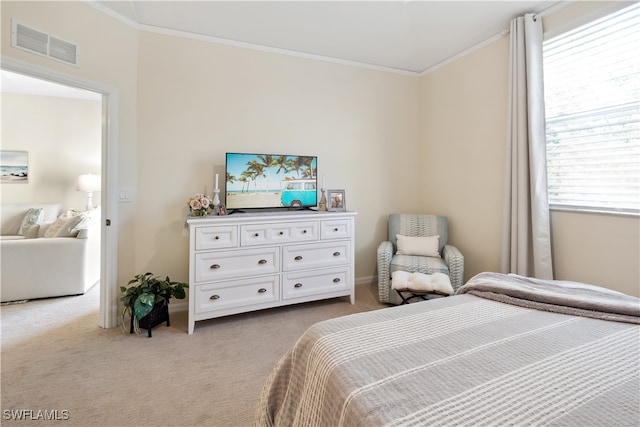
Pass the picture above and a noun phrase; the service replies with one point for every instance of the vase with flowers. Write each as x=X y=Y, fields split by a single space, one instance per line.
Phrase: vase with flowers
x=199 y=205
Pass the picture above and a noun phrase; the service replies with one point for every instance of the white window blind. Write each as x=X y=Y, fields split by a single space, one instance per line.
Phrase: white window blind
x=592 y=109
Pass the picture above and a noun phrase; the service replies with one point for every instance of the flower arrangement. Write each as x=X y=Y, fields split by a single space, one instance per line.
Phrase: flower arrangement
x=199 y=205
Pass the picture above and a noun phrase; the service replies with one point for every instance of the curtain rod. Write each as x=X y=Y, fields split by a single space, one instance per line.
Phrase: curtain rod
x=554 y=7
x=551 y=9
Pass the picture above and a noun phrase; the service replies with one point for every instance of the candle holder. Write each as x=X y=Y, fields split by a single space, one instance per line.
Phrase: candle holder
x=216 y=201
x=322 y=206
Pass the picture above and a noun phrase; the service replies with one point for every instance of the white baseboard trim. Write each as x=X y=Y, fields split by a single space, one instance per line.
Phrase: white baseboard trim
x=366 y=280
x=179 y=305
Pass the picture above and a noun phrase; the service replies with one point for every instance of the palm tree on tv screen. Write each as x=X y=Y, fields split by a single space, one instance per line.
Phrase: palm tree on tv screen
x=268 y=162
x=301 y=163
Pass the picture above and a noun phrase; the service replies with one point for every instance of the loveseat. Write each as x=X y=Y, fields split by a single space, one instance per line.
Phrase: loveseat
x=45 y=252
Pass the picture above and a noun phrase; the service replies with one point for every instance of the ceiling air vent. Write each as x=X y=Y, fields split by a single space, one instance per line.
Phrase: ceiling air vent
x=41 y=43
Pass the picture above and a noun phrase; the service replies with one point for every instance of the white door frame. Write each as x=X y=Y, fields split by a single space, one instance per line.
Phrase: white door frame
x=109 y=235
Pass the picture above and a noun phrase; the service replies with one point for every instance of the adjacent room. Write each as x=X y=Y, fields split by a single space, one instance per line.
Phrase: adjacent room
x=355 y=127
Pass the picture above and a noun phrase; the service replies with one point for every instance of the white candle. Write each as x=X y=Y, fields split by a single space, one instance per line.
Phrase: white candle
x=217 y=182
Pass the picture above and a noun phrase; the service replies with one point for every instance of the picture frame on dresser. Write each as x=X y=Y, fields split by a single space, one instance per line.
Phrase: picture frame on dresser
x=336 y=201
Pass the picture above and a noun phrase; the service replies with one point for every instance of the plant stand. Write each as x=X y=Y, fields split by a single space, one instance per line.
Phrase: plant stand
x=158 y=314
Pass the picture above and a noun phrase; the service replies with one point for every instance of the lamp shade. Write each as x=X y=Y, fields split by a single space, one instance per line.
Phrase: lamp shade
x=89 y=183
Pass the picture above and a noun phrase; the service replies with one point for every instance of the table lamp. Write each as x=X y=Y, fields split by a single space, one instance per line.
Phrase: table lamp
x=89 y=183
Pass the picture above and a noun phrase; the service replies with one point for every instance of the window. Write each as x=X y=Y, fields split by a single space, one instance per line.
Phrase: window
x=592 y=108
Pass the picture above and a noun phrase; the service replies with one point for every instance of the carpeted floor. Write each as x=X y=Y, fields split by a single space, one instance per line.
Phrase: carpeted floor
x=57 y=363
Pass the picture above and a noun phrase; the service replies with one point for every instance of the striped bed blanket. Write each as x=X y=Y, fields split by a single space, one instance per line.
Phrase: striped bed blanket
x=505 y=350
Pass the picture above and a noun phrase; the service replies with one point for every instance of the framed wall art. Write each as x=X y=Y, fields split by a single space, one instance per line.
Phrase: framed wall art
x=14 y=166
x=336 y=200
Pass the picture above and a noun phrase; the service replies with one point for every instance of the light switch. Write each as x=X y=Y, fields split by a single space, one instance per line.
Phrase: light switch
x=124 y=196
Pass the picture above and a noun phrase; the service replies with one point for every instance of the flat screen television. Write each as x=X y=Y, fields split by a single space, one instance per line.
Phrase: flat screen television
x=269 y=181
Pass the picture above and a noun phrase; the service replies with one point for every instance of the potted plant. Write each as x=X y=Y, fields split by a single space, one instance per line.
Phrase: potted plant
x=146 y=302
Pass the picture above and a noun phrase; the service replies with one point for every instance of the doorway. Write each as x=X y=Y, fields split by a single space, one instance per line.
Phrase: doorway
x=108 y=147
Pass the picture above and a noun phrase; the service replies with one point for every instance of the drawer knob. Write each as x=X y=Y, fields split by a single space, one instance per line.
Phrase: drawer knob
x=297 y=285
x=336 y=280
x=281 y=233
x=298 y=258
x=335 y=229
x=336 y=253
x=217 y=237
x=262 y=261
x=256 y=235
x=215 y=266
x=304 y=231
x=214 y=297
x=262 y=290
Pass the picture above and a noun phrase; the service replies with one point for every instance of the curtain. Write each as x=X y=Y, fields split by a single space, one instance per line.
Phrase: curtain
x=526 y=240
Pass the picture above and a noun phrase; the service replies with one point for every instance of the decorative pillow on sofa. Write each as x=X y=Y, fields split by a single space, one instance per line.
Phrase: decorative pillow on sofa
x=32 y=217
x=422 y=246
x=64 y=226
x=89 y=218
x=33 y=231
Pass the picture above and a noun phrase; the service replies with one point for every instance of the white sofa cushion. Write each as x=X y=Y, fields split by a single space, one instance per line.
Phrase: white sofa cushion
x=12 y=237
x=12 y=216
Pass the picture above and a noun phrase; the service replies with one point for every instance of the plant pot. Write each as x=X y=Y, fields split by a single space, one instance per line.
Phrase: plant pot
x=158 y=314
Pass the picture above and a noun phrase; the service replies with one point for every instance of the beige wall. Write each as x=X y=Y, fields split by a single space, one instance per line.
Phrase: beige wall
x=463 y=127
x=63 y=139
x=394 y=143
x=599 y=249
x=199 y=100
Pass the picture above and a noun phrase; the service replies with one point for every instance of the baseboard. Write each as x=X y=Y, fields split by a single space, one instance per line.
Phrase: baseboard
x=179 y=305
x=366 y=280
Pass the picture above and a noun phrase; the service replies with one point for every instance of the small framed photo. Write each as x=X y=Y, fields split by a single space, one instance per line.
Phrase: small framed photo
x=336 y=201
x=14 y=166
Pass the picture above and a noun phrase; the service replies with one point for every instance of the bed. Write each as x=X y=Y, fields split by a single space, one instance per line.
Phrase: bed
x=504 y=350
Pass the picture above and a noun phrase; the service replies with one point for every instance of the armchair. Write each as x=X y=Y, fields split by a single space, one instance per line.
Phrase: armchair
x=450 y=260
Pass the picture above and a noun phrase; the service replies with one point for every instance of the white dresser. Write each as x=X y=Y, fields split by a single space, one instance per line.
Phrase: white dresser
x=246 y=262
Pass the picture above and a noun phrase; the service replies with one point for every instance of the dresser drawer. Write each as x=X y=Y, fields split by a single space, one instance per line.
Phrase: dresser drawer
x=216 y=237
x=210 y=266
x=264 y=234
x=316 y=255
x=335 y=229
x=236 y=293
x=303 y=284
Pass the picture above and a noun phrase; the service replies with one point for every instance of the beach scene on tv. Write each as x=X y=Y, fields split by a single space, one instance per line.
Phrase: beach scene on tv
x=270 y=181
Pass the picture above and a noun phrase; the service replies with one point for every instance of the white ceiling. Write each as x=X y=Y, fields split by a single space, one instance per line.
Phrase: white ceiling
x=19 y=83
x=400 y=35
